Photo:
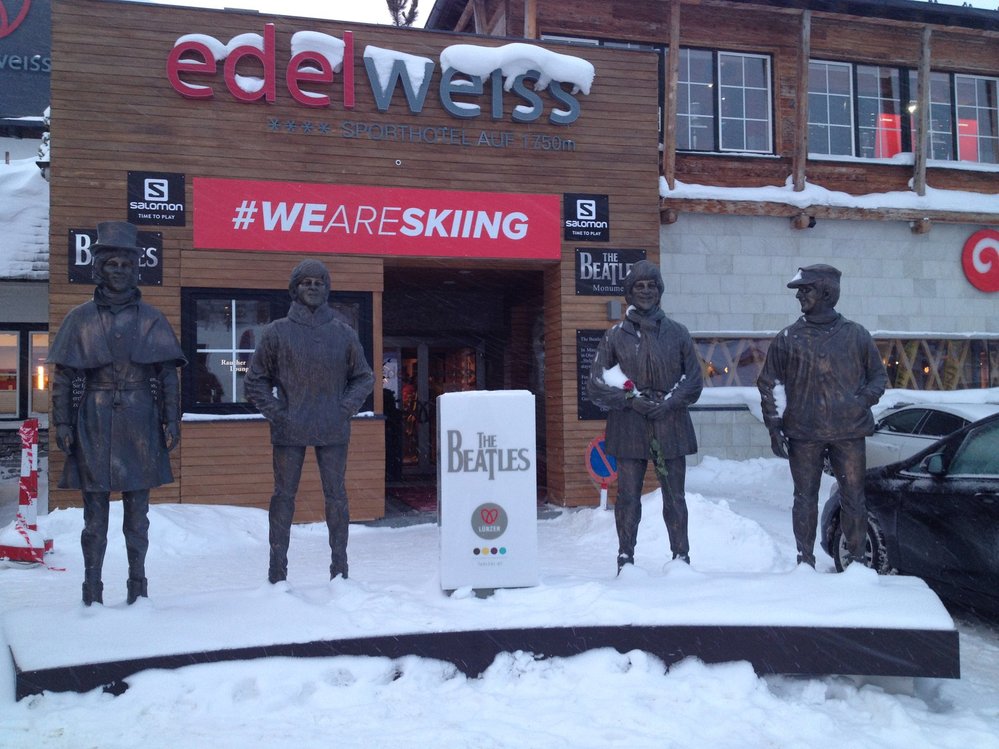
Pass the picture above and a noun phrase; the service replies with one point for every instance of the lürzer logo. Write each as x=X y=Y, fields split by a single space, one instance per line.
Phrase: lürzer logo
x=8 y=20
x=489 y=521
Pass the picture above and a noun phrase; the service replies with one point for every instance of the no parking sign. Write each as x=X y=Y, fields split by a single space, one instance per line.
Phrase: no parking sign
x=601 y=466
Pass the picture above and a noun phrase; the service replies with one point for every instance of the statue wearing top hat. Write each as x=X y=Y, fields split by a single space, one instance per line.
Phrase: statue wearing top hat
x=821 y=376
x=115 y=404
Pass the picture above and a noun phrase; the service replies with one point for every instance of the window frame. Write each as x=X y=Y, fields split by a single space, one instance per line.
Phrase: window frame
x=718 y=116
x=908 y=83
x=280 y=303
x=24 y=375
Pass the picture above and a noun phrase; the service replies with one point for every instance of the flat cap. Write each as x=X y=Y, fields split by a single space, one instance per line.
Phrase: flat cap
x=812 y=274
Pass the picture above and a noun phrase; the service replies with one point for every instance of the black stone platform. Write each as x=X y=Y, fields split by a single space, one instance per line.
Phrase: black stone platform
x=808 y=651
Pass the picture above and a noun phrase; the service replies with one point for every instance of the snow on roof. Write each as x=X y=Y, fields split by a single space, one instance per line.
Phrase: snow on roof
x=24 y=222
x=933 y=200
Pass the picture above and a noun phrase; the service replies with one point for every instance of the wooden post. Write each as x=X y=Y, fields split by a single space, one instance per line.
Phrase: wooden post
x=530 y=19
x=921 y=143
x=800 y=157
x=669 y=105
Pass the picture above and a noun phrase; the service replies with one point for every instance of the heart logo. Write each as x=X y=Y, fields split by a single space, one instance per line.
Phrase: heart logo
x=8 y=25
x=489 y=515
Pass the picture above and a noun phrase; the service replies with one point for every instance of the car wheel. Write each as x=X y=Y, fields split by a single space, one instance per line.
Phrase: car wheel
x=875 y=554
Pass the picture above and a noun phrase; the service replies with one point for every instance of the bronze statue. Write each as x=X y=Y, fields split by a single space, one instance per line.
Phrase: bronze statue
x=115 y=405
x=648 y=418
x=828 y=372
x=308 y=377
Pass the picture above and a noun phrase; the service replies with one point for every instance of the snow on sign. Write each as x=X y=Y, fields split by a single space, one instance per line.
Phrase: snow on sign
x=487 y=490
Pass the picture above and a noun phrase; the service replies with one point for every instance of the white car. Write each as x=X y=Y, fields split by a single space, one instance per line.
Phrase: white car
x=907 y=429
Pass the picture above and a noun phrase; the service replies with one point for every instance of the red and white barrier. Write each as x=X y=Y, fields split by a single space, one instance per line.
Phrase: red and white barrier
x=22 y=542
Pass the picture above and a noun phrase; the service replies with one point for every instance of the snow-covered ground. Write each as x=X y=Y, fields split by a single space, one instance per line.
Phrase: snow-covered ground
x=207 y=568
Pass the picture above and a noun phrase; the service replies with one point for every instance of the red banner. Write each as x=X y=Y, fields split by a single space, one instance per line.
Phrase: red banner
x=234 y=214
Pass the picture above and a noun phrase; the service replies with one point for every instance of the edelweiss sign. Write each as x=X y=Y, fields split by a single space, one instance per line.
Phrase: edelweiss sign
x=474 y=81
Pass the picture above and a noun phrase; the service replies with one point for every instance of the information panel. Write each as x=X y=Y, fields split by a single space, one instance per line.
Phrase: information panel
x=487 y=489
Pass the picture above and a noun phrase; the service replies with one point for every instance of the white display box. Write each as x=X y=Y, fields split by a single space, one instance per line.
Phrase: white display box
x=487 y=489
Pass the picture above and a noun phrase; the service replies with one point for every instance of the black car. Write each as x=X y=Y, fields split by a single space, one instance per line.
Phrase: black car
x=935 y=515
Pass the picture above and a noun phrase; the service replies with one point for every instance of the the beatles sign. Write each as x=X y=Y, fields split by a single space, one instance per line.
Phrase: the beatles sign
x=81 y=256
x=487 y=489
x=602 y=272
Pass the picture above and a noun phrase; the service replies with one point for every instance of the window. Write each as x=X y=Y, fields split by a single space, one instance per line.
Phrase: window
x=977 y=118
x=979 y=453
x=879 y=112
x=830 y=108
x=723 y=102
x=868 y=111
x=220 y=330
x=24 y=378
x=912 y=363
x=9 y=373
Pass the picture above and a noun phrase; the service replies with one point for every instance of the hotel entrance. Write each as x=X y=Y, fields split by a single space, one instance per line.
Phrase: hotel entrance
x=450 y=330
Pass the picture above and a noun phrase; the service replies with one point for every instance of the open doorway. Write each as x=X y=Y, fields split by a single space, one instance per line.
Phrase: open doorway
x=451 y=330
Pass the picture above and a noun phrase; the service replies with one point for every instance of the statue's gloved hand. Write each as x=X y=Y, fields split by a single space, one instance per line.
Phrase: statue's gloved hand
x=778 y=443
x=64 y=437
x=643 y=405
x=171 y=435
x=659 y=410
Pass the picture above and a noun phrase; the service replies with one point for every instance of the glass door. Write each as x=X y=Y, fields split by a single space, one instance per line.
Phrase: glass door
x=415 y=372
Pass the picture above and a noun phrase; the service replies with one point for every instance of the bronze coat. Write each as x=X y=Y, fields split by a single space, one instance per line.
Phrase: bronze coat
x=678 y=371
x=115 y=381
x=316 y=365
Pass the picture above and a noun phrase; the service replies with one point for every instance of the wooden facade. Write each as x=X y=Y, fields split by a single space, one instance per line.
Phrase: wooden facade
x=114 y=111
x=915 y=35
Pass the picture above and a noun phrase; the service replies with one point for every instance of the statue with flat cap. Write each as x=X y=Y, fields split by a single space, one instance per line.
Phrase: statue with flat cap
x=821 y=376
x=115 y=405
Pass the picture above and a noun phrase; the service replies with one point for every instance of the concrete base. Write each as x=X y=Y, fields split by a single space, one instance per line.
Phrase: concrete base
x=770 y=649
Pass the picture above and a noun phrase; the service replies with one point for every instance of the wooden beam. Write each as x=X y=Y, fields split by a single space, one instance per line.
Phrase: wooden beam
x=466 y=16
x=530 y=19
x=669 y=104
x=800 y=157
x=921 y=144
x=479 y=14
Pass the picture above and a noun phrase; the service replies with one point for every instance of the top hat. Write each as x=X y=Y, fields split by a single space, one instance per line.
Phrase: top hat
x=812 y=274
x=117 y=235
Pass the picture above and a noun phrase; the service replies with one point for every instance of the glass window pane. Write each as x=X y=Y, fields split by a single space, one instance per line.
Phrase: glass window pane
x=732 y=135
x=8 y=373
x=818 y=139
x=731 y=103
x=214 y=323
x=730 y=70
x=840 y=111
x=841 y=141
x=755 y=72
x=757 y=135
x=251 y=317
x=37 y=357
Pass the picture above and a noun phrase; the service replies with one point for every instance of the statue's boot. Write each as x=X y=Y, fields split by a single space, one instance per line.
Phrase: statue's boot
x=93 y=592
x=137 y=587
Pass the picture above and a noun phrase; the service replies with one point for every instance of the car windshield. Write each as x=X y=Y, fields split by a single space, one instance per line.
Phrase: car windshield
x=979 y=453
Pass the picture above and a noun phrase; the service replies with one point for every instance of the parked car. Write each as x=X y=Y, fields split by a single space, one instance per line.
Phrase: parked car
x=906 y=429
x=935 y=515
